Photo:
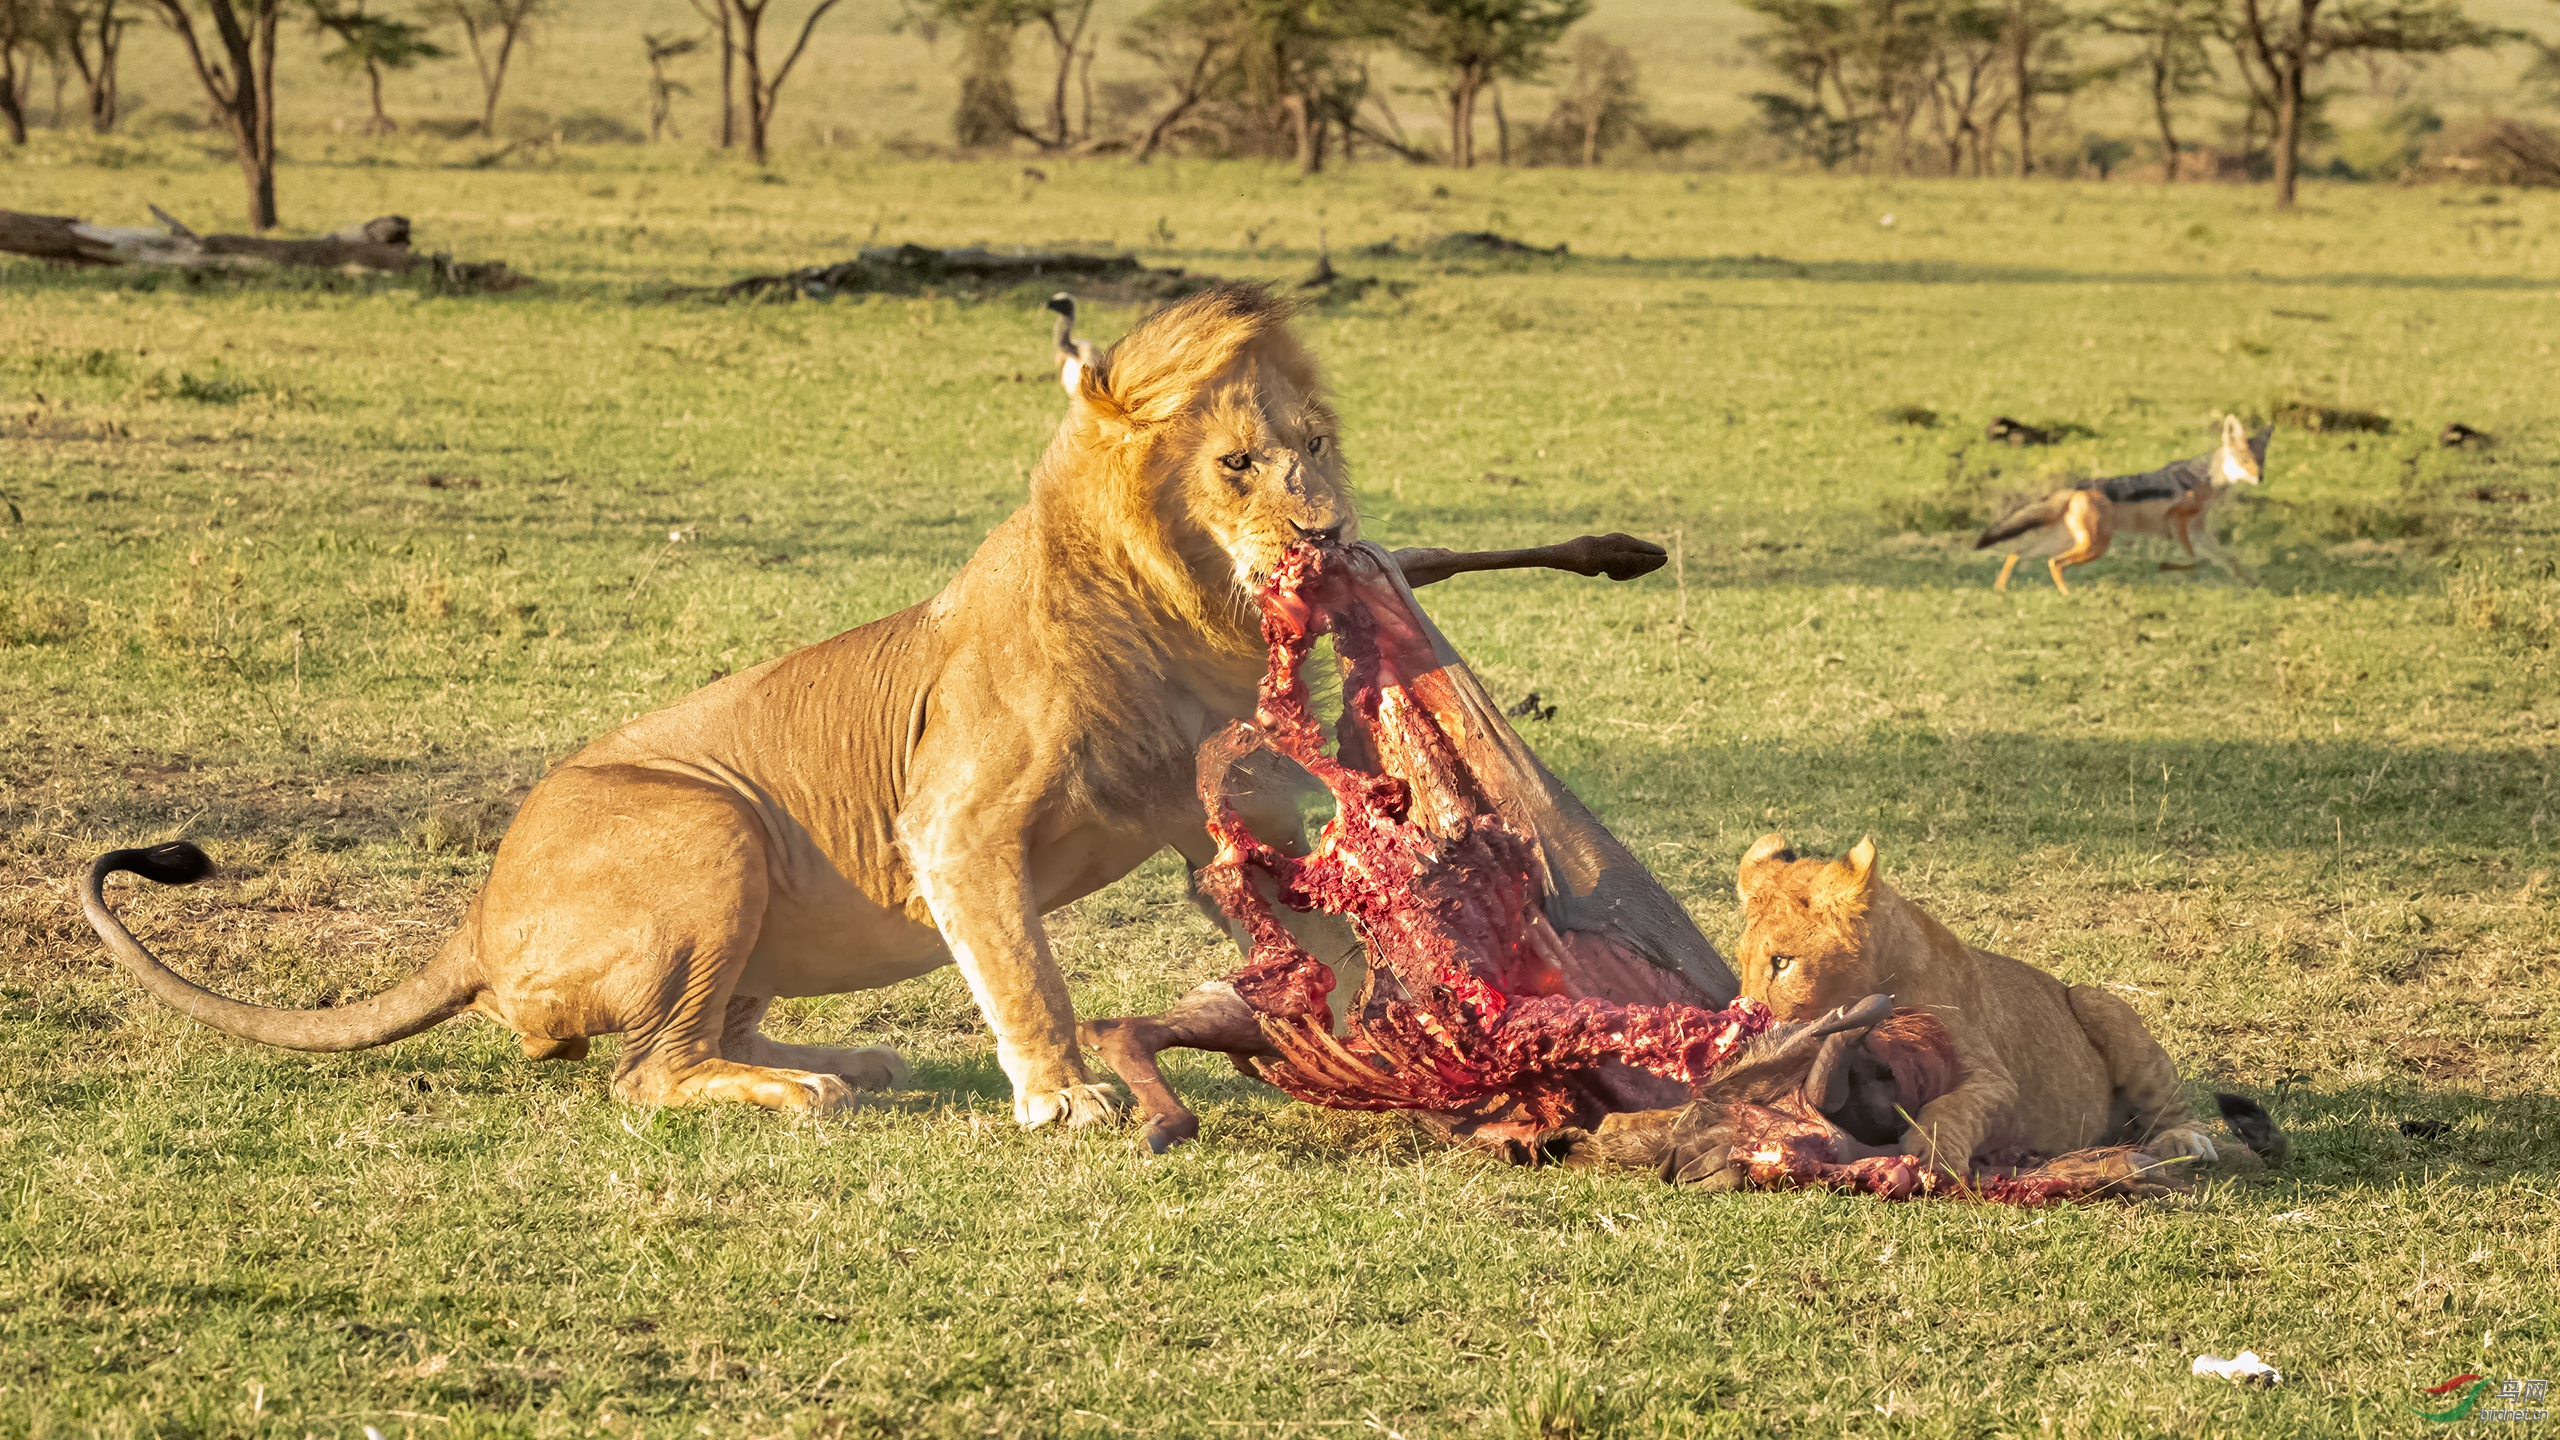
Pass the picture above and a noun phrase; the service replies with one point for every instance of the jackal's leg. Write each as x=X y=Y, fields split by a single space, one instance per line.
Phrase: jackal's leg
x=2146 y=1085
x=2212 y=550
x=2003 y=582
x=2178 y=532
x=1211 y=1017
x=2090 y=530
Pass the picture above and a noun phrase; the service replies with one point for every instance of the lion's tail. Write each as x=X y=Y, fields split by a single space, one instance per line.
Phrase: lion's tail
x=2034 y=515
x=440 y=991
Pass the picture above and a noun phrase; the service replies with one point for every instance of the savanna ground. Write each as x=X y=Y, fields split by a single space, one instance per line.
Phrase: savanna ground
x=324 y=574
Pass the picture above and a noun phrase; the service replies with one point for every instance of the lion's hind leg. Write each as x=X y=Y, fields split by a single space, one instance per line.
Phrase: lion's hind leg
x=864 y=1067
x=605 y=932
x=2149 y=1102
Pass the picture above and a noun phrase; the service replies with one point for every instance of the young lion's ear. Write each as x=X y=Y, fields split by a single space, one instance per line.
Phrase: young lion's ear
x=1850 y=881
x=1768 y=855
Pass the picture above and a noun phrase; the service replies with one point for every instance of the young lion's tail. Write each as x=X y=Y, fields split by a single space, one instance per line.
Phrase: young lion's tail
x=2034 y=515
x=2255 y=1128
x=440 y=991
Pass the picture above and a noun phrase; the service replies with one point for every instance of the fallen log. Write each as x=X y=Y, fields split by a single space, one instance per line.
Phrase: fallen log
x=379 y=246
x=913 y=269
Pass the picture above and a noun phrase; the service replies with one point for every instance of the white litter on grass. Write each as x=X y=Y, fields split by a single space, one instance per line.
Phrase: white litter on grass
x=2244 y=1368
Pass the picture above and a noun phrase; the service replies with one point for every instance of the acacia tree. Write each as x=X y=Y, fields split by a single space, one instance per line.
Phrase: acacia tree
x=25 y=32
x=1857 y=69
x=373 y=44
x=663 y=90
x=764 y=91
x=1196 y=46
x=1475 y=43
x=2038 y=49
x=724 y=21
x=240 y=80
x=1601 y=96
x=1967 y=93
x=2172 y=60
x=989 y=29
x=2287 y=41
x=90 y=34
x=493 y=29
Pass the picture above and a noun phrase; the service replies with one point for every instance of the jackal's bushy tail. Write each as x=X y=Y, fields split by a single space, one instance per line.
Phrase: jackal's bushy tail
x=2034 y=515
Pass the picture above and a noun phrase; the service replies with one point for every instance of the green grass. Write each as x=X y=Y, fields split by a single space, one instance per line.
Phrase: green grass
x=323 y=574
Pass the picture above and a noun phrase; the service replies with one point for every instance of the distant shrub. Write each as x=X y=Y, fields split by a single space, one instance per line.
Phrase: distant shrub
x=598 y=127
x=525 y=122
x=79 y=364
x=172 y=121
x=211 y=388
x=2496 y=152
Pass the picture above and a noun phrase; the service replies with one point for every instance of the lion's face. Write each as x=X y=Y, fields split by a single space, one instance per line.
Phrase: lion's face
x=1257 y=467
x=1804 y=929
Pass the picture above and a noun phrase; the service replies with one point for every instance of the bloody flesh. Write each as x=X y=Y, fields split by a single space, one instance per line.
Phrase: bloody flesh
x=1468 y=999
x=1469 y=1005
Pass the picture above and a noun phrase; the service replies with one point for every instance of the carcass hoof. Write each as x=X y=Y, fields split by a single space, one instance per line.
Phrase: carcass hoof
x=1163 y=1132
x=1713 y=1167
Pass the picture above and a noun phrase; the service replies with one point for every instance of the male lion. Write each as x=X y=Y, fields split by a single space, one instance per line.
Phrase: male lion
x=918 y=790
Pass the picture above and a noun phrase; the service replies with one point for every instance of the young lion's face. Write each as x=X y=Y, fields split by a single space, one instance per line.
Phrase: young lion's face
x=1804 y=929
x=1257 y=466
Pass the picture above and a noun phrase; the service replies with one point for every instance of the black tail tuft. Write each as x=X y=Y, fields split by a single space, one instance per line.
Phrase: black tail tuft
x=2009 y=529
x=2256 y=1129
x=176 y=863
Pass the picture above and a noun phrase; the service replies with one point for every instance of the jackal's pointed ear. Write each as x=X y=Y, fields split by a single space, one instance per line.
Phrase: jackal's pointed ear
x=1768 y=855
x=2234 y=434
x=1848 y=883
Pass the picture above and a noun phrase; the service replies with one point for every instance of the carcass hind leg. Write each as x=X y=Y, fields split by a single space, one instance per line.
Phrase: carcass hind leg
x=1211 y=1017
x=864 y=1067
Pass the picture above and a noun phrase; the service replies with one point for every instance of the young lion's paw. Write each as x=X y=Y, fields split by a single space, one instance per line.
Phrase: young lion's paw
x=2183 y=1140
x=1079 y=1105
x=871 y=1067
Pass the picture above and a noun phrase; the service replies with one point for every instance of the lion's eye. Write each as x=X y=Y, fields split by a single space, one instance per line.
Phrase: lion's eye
x=1781 y=964
x=1315 y=445
x=1239 y=462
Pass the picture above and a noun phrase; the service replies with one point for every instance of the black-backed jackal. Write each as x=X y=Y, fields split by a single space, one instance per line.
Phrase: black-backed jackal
x=2075 y=526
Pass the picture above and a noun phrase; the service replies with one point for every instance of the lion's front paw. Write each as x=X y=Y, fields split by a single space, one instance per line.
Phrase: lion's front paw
x=2183 y=1140
x=1078 y=1104
x=827 y=1094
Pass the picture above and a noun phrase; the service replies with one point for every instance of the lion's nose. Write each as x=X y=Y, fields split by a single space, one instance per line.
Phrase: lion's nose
x=1329 y=535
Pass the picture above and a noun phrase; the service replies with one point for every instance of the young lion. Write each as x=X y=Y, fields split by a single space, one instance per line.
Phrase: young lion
x=2045 y=1067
